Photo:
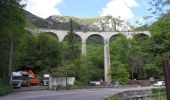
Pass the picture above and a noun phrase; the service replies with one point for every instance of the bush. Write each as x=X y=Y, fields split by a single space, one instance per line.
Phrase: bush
x=4 y=89
x=78 y=83
x=111 y=98
x=159 y=91
x=159 y=94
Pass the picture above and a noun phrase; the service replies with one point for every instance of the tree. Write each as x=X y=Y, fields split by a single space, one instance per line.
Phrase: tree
x=120 y=67
x=156 y=48
x=26 y=52
x=119 y=72
x=138 y=52
x=12 y=18
x=159 y=7
x=12 y=23
x=49 y=52
x=39 y=53
x=73 y=50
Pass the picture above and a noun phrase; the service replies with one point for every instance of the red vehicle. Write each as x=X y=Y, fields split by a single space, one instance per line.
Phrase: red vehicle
x=33 y=79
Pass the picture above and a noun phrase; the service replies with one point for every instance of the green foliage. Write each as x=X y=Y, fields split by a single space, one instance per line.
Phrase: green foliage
x=96 y=56
x=119 y=60
x=144 y=27
x=152 y=70
x=119 y=72
x=138 y=52
x=49 y=51
x=26 y=52
x=4 y=89
x=12 y=23
x=158 y=90
x=159 y=94
x=115 y=97
x=84 y=70
x=65 y=69
x=119 y=49
x=72 y=50
x=12 y=19
x=39 y=53
x=144 y=55
x=162 y=25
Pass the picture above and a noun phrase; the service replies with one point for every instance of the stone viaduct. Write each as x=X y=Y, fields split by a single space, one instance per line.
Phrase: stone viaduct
x=84 y=36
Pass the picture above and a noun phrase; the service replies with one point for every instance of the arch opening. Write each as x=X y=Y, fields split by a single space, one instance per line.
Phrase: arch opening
x=95 y=54
x=118 y=55
x=51 y=34
x=76 y=38
x=72 y=46
x=140 y=36
x=116 y=36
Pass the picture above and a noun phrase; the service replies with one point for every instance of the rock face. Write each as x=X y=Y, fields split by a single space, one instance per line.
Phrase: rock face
x=103 y=23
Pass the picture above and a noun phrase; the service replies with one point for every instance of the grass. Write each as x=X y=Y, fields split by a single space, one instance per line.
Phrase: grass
x=110 y=98
x=159 y=94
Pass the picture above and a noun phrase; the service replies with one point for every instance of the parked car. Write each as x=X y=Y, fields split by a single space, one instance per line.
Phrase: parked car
x=159 y=83
x=94 y=83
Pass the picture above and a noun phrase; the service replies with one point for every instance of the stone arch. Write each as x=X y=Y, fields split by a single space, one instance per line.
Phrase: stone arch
x=95 y=53
x=78 y=37
x=114 y=36
x=98 y=35
x=53 y=34
x=141 y=35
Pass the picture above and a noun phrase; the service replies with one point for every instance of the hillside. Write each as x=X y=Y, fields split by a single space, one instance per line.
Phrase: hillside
x=104 y=23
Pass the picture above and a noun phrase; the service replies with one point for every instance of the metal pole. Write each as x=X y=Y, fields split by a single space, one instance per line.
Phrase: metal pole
x=167 y=77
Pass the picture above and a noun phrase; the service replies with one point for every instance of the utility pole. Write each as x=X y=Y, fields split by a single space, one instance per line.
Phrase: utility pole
x=71 y=26
x=167 y=77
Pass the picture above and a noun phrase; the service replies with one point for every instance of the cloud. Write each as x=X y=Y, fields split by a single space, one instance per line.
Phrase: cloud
x=120 y=8
x=43 y=8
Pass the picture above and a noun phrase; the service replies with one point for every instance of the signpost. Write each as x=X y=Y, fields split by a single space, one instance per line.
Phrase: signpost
x=167 y=77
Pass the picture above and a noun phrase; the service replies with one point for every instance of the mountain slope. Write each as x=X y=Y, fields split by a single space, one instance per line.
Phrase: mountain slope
x=104 y=23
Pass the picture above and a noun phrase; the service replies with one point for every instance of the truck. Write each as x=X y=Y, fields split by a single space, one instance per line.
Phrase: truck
x=19 y=79
x=33 y=80
x=16 y=79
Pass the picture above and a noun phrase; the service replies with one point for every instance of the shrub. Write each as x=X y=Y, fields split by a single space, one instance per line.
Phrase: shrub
x=159 y=90
x=4 y=89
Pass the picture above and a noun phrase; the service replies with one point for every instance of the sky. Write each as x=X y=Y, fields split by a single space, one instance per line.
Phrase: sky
x=130 y=10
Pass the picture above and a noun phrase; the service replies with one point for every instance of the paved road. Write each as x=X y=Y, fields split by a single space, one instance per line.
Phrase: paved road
x=84 y=94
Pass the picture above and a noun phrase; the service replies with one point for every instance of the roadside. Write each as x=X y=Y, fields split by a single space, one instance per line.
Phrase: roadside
x=76 y=94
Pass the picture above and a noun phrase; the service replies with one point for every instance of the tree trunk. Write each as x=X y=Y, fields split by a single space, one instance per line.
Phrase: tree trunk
x=10 y=62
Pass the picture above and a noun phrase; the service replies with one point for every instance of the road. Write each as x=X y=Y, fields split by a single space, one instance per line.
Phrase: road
x=79 y=94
